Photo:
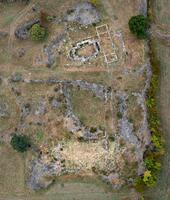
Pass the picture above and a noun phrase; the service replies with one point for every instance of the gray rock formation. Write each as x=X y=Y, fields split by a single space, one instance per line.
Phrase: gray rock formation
x=25 y=110
x=3 y=34
x=42 y=171
x=42 y=174
x=3 y=110
x=41 y=107
x=50 y=50
x=22 y=32
x=83 y=13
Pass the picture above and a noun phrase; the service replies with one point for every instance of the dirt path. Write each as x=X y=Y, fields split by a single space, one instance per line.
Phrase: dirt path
x=17 y=20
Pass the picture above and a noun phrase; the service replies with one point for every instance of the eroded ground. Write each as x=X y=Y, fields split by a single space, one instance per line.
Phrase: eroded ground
x=79 y=95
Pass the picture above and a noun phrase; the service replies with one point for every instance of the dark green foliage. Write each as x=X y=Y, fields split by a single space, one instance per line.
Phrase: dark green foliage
x=119 y=115
x=38 y=33
x=20 y=143
x=139 y=25
x=152 y=164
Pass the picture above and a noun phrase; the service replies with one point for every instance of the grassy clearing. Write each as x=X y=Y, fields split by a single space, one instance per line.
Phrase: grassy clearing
x=12 y=109
x=5 y=57
x=88 y=108
x=9 y=12
x=11 y=171
x=8 y=20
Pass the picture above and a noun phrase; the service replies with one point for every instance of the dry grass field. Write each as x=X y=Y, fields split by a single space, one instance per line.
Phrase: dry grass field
x=125 y=74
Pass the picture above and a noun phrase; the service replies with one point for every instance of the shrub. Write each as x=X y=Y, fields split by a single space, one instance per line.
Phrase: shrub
x=40 y=136
x=20 y=143
x=149 y=179
x=152 y=164
x=139 y=25
x=38 y=33
x=157 y=142
x=95 y=2
x=152 y=155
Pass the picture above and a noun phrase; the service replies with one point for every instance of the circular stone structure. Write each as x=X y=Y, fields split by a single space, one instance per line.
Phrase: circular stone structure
x=85 y=50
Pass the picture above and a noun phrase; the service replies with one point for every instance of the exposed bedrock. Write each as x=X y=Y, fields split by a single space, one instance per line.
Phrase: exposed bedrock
x=3 y=110
x=83 y=13
x=42 y=172
x=99 y=90
x=51 y=49
x=139 y=138
x=22 y=32
x=3 y=34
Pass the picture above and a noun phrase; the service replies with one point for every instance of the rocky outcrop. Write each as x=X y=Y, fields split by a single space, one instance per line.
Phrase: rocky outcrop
x=22 y=32
x=43 y=170
x=42 y=174
x=3 y=34
x=41 y=107
x=83 y=13
x=99 y=90
x=51 y=49
x=3 y=110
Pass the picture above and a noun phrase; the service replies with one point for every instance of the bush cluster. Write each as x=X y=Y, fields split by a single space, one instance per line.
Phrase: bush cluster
x=38 y=33
x=153 y=154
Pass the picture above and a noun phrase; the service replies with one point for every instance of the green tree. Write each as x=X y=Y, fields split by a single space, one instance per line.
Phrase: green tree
x=38 y=33
x=139 y=26
x=20 y=143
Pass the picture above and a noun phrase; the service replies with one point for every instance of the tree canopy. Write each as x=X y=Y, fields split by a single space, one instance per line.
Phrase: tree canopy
x=20 y=143
x=139 y=26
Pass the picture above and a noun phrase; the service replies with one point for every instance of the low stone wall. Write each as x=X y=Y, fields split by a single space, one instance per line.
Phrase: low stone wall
x=83 y=44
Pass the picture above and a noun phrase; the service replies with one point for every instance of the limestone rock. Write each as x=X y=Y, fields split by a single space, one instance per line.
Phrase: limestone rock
x=22 y=32
x=42 y=174
x=3 y=110
x=17 y=77
x=83 y=13
x=3 y=34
